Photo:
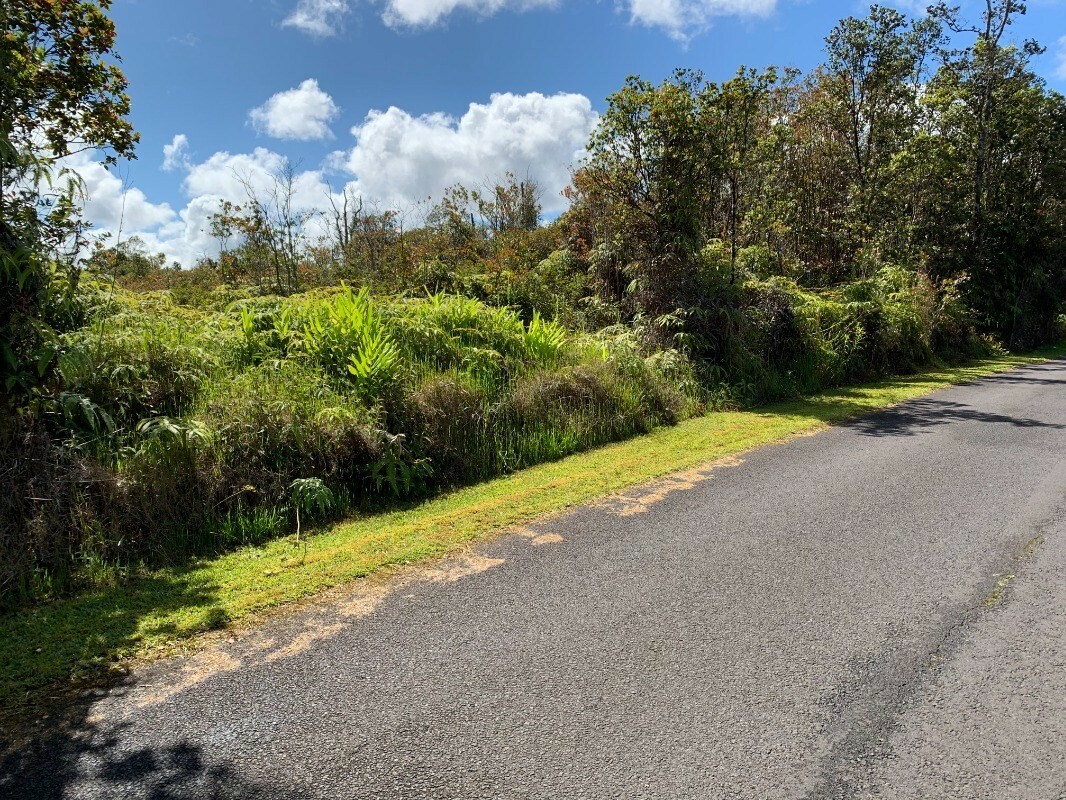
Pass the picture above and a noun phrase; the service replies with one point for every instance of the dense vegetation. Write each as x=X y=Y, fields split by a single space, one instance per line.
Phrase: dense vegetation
x=726 y=244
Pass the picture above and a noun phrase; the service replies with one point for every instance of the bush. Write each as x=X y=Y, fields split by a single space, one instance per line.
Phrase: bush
x=137 y=365
x=447 y=420
x=37 y=539
x=552 y=290
x=770 y=338
x=279 y=422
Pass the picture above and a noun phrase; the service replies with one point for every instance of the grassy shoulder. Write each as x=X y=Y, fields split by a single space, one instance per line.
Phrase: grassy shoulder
x=53 y=648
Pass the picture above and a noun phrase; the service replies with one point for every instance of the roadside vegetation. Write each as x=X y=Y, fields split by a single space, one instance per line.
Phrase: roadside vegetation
x=57 y=648
x=901 y=207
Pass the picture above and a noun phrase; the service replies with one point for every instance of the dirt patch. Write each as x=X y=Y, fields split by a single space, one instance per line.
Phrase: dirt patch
x=546 y=538
x=640 y=499
x=320 y=620
x=199 y=668
x=304 y=641
x=455 y=569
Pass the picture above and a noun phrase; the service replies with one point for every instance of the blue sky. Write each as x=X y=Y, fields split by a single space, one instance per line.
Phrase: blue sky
x=398 y=98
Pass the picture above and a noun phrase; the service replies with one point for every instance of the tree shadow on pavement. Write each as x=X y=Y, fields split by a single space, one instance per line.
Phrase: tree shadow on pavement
x=81 y=757
x=57 y=660
x=1031 y=376
x=920 y=415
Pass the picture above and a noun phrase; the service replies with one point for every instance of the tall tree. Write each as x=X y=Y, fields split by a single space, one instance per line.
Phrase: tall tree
x=983 y=67
x=648 y=165
x=738 y=117
x=61 y=92
x=872 y=81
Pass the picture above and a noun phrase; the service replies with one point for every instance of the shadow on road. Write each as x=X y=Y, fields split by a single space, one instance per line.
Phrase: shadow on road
x=1032 y=377
x=919 y=415
x=83 y=758
x=61 y=745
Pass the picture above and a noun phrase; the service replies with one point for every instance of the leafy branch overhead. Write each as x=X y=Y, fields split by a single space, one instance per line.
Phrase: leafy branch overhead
x=61 y=91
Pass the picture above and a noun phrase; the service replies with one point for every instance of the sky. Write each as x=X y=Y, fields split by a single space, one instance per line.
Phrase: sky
x=399 y=99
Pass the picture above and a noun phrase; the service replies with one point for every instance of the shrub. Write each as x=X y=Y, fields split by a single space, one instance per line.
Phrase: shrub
x=447 y=422
x=551 y=290
x=349 y=338
x=279 y=422
x=37 y=539
x=137 y=365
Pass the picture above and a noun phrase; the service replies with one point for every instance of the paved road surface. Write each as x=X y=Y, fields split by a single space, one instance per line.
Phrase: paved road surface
x=878 y=611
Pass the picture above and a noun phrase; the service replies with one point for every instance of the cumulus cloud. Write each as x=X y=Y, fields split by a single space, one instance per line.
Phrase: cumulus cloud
x=302 y=113
x=230 y=176
x=187 y=237
x=118 y=212
x=109 y=203
x=317 y=17
x=234 y=177
x=398 y=160
x=424 y=13
x=683 y=18
x=401 y=159
x=176 y=154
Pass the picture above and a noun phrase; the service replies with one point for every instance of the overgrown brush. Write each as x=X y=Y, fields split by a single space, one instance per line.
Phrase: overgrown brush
x=181 y=431
x=774 y=339
x=191 y=431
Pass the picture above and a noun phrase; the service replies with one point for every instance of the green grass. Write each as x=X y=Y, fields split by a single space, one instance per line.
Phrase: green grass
x=50 y=649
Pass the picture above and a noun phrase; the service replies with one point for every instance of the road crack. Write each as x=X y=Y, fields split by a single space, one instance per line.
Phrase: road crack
x=865 y=710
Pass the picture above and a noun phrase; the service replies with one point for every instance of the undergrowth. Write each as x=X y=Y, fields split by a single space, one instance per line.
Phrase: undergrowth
x=180 y=432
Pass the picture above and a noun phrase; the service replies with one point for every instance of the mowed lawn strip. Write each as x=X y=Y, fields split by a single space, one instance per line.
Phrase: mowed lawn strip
x=52 y=648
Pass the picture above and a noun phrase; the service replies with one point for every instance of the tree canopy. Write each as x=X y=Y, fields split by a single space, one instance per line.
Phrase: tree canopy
x=61 y=92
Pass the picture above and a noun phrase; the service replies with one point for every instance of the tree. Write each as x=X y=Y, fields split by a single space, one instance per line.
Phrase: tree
x=273 y=225
x=510 y=205
x=872 y=79
x=740 y=116
x=983 y=67
x=61 y=93
x=363 y=238
x=999 y=193
x=224 y=225
x=649 y=169
x=127 y=259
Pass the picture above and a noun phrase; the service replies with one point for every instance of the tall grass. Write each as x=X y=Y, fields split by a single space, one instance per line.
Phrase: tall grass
x=191 y=432
x=181 y=432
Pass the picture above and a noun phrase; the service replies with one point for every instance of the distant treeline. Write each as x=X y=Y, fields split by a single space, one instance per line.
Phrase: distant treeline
x=926 y=145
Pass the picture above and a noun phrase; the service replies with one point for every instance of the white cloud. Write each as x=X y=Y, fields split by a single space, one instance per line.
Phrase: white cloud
x=683 y=18
x=401 y=159
x=120 y=213
x=398 y=160
x=229 y=176
x=176 y=154
x=1060 y=59
x=232 y=177
x=185 y=239
x=424 y=13
x=302 y=113
x=109 y=203
x=317 y=17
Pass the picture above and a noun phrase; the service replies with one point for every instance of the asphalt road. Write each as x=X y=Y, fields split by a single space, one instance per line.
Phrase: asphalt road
x=877 y=611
